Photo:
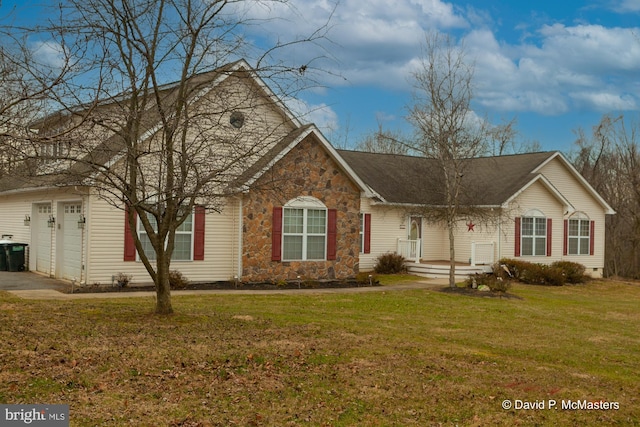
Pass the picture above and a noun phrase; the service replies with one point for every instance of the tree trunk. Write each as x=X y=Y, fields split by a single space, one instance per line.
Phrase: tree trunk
x=163 y=288
x=452 y=257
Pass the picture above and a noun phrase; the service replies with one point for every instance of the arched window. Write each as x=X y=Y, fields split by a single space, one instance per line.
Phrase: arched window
x=533 y=234
x=304 y=230
x=578 y=232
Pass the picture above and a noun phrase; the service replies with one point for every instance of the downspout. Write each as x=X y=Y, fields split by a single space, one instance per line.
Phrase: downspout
x=499 y=237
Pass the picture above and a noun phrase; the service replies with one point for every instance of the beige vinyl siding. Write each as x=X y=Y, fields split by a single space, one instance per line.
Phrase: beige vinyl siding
x=584 y=202
x=537 y=196
x=13 y=209
x=435 y=242
x=464 y=239
x=12 y=212
x=106 y=248
x=386 y=229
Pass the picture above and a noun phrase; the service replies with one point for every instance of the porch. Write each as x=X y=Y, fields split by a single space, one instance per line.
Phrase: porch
x=481 y=260
x=440 y=269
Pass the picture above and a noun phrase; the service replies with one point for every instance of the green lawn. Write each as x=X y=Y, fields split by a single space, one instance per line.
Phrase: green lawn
x=380 y=359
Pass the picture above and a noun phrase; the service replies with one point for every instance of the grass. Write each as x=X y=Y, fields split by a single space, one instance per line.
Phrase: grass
x=380 y=359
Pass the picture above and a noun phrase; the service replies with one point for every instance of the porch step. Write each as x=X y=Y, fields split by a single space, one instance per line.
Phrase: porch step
x=438 y=271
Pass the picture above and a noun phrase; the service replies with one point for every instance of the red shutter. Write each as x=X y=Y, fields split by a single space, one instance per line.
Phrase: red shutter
x=367 y=233
x=129 y=244
x=276 y=235
x=198 y=233
x=332 y=233
x=517 y=238
x=549 y=234
x=565 y=246
x=592 y=238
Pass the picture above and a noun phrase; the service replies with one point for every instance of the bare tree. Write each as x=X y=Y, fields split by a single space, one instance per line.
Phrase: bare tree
x=162 y=150
x=448 y=131
x=609 y=158
x=384 y=141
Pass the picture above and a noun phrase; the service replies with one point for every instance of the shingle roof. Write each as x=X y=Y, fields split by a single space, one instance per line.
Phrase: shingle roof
x=488 y=181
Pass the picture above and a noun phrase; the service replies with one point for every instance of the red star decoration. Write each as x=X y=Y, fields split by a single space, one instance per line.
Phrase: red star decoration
x=470 y=226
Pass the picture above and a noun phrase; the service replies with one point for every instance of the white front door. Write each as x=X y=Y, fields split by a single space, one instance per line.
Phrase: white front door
x=71 y=256
x=42 y=236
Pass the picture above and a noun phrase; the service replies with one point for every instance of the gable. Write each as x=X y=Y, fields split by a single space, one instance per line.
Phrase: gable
x=573 y=186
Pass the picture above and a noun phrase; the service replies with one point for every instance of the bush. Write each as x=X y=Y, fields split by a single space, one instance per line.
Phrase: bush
x=390 y=263
x=533 y=273
x=122 y=279
x=495 y=282
x=177 y=280
x=573 y=271
x=363 y=279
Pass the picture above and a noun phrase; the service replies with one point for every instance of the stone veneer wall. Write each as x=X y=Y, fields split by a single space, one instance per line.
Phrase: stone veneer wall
x=307 y=170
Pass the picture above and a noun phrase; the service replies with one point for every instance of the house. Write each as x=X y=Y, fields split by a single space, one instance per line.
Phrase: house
x=291 y=211
x=297 y=207
x=533 y=206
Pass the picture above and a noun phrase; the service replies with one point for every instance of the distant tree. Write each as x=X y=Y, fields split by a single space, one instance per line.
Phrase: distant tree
x=384 y=141
x=609 y=158
x=171 y=146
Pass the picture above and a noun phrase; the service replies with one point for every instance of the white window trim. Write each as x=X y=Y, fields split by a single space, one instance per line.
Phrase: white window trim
x=533 y=214
x=306 y=203
x=141 y=230
x=580 y=217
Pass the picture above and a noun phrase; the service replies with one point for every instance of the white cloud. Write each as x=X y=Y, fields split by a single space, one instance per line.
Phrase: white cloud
x=626 y=6
x=553 y=69
x=49 y=54
x=583 y=66
x=321 y=114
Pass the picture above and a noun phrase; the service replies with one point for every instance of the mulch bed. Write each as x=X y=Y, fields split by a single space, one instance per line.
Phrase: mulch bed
x=476 y=293
x=229 y=286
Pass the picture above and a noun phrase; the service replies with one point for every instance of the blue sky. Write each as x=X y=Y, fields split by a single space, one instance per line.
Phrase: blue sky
x=554 y=66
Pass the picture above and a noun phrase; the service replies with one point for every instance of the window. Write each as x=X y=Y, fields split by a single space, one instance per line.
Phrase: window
x=579 y=235
x=304 y=230
x=183 y=241
x=534 y=234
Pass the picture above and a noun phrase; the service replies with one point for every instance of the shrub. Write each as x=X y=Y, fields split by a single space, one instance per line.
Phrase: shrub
x=533 y=273
x=495 y=282
x=390 y=263
x=177 y=280
x=363 y=279
x=573 y=271
x=122 y=279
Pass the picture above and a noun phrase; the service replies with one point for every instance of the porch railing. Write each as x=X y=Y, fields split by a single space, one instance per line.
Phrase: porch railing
x=410 y=249
x=482 y=253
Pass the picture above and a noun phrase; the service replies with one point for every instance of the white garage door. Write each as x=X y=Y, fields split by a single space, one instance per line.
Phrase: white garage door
x=43 y=238
x=71 y=261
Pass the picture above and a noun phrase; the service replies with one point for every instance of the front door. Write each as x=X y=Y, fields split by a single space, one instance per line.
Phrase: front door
x=415 y=235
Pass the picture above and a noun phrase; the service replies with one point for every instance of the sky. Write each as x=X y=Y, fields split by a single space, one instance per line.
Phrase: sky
x=554 y=66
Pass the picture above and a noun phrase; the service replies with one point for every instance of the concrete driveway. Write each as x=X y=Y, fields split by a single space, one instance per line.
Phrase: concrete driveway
x=25 y=280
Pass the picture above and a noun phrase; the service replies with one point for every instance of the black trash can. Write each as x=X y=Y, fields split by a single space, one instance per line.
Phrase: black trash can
x=16 y=256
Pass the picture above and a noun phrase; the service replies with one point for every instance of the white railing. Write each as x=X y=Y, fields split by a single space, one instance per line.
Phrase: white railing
x=482 y=253
x=410 y=249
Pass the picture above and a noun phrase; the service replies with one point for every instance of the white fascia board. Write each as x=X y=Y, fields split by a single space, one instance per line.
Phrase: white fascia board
x=368 y=192
x=608 y=209
x=568 y=207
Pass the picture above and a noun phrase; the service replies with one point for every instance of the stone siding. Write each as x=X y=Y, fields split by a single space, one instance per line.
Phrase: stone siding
x=307 y=170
